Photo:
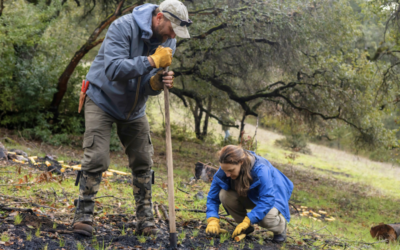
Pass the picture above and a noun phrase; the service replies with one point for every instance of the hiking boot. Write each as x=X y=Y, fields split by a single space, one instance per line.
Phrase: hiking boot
x=83 y=228
x=148 y=231
x=280 y=238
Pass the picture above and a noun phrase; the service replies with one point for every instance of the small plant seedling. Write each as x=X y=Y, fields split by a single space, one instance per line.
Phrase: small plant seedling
x=17 y=219
x=37 y=233
x=212 y=242
x=54 y=225
x=62 y=242
x=45 y=247
x=195 y=233
x=241 y=245
x=123 y=233
x=94 y=241
x=231 y=247
x=5 y=237
x=98 y=246
x=153 y=237
x=79 y=246
x=141 y=239
x=223 y=238
x=251 y=245
x=29 y=236
x=261 y=241
x=182 y=236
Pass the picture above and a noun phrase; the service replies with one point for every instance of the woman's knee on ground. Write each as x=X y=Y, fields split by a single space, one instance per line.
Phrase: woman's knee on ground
x=273 y=221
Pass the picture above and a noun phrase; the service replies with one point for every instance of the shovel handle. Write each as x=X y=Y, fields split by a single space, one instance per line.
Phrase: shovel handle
x=168 y=149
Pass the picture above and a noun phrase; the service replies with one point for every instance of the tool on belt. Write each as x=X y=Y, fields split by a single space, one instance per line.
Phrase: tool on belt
x=82 y=96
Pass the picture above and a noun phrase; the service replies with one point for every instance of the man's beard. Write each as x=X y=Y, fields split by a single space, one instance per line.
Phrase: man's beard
x=158 y=36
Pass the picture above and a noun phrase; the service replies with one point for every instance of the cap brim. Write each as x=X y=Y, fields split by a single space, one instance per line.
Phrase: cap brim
x=180 y=31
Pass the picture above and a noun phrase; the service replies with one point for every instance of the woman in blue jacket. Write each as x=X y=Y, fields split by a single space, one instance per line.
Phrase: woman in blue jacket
x=247 y=181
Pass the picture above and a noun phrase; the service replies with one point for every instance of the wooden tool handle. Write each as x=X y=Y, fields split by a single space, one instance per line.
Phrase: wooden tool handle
x=168 y=149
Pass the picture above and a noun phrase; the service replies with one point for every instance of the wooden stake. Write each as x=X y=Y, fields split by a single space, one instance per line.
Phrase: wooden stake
x=168 y=149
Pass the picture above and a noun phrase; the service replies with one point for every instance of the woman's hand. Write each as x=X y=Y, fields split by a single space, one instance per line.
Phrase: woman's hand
x=213 y=226
x=241 y=227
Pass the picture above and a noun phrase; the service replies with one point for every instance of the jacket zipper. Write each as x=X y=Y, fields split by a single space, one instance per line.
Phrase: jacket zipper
x=138 y=88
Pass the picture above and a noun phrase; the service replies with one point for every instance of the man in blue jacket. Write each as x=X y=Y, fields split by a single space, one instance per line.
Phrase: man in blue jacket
x=127 y=70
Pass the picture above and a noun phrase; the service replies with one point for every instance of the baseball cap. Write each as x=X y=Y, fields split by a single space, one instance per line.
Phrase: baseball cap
x=177 y=13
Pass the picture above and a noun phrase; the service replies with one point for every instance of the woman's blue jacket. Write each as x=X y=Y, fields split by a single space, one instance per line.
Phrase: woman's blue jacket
x=269 y=188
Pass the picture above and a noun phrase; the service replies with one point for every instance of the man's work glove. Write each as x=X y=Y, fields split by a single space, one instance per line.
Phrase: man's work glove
x=213 y=226
x=162 y=57
x=241 y=227
x=160 y=78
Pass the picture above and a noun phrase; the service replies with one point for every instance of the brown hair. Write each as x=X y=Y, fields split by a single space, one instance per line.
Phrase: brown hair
x=155 y=12
x=232 y=154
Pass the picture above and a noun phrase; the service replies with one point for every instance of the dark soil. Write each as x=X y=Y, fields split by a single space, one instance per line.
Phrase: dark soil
x=113 y=232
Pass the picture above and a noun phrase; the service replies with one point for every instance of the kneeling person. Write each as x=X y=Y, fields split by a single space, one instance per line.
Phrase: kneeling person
x=247 y=181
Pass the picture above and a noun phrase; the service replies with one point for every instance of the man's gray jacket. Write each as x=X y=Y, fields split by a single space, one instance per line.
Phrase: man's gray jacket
x=122 y=62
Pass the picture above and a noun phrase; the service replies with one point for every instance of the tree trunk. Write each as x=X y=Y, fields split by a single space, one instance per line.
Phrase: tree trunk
x=206 y=118
x=240 y=139
x=1 y=7
x=197 y=115
x=90 y=44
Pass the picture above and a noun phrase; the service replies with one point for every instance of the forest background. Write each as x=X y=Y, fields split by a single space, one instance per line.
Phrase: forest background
x=324 y=71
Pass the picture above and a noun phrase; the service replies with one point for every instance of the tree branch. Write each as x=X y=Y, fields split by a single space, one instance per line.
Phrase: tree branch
x=191 y=94
x=208 y=11
x=204 y=35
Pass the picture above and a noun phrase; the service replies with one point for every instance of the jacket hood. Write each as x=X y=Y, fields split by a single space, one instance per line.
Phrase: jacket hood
x=143 y=18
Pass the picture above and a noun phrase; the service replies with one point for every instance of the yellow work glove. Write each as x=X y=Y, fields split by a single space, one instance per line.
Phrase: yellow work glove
x=162 y=57
x=213 y=226
x=156 y=81
x=241 y=227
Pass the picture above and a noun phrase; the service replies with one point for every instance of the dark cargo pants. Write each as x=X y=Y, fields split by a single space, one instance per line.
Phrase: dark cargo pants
x=135 y=137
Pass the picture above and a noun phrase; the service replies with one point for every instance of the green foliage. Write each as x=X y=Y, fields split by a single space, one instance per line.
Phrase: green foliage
x=32 y=61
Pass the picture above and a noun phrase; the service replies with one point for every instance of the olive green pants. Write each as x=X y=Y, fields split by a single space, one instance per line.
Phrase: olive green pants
x=237 y=207
x=135 y=137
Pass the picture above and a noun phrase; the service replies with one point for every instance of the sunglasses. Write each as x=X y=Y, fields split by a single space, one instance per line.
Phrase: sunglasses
x=183 y=22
